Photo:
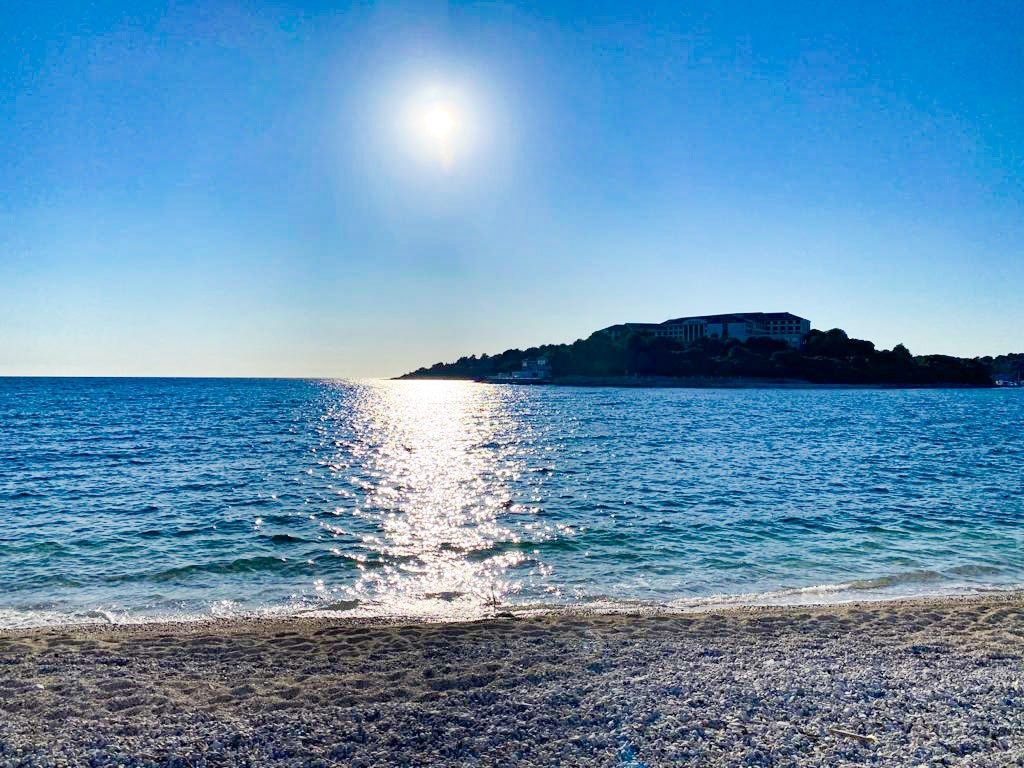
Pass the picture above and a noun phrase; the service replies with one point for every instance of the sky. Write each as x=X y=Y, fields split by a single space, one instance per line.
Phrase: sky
x=251 y=188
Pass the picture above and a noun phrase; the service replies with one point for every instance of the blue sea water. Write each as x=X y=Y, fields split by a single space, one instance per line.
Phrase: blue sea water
x=138 y=499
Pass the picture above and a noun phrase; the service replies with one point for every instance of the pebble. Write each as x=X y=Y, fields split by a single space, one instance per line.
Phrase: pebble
x=637 y=691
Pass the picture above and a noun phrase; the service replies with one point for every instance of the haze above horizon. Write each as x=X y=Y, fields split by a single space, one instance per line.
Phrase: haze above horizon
x=297 y=189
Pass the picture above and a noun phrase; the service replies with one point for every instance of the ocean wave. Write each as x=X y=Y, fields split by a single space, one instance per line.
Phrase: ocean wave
x=37 y=581
x=25 y=494
x=909 y=584
x=975 y=570
x=897 y=579
x=30 y=618
x=264 y=563
x=287 y=538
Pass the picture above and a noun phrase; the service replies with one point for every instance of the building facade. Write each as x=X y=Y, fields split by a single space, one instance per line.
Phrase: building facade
x=782 y=326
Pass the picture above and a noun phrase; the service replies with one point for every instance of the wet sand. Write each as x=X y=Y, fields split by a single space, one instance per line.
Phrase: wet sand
x=915 y=683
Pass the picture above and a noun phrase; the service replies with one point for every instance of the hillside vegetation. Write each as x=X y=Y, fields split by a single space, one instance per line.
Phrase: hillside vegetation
x=825 y=357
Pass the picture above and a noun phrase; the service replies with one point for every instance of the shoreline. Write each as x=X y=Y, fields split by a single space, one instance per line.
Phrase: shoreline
x=700 y=382
x=636 y=610
x=818 y=597
x=898 y=682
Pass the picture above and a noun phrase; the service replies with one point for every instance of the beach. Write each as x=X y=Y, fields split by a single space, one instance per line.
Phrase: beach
x=929 y=681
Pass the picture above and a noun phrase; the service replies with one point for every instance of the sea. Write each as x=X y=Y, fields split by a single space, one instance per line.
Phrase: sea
x=136 y=500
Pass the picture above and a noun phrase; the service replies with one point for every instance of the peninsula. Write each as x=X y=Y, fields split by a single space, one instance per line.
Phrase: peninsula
x=726 y=350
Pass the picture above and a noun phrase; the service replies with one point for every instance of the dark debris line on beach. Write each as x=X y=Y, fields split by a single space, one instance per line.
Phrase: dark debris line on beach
x=921 y=683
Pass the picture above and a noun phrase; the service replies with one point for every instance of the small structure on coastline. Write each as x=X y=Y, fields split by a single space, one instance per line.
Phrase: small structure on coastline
x=782 y=326
x=534 y=370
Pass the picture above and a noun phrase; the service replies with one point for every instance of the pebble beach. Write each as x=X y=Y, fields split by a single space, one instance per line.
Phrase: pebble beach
x=921 y=682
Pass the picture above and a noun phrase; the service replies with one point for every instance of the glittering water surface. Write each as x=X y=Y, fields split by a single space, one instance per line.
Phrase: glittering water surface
x=135 y=499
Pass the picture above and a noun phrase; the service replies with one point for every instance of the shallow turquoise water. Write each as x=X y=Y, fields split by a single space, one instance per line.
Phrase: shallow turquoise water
x=126 y=499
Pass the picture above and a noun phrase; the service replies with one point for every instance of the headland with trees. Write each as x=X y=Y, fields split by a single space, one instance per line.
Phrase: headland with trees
x=824 y=357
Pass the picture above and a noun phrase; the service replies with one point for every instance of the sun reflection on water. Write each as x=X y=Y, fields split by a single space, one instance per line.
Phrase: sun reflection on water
x=435 y=461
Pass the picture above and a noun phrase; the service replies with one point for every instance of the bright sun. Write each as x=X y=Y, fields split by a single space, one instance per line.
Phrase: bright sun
x=439 y=130
x=440 y=123
x=440 y=126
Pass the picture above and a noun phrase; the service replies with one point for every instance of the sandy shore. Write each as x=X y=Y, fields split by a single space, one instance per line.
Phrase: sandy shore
x=915 y=683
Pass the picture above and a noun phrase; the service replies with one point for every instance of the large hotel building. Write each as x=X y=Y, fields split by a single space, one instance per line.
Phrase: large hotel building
x=741 y=325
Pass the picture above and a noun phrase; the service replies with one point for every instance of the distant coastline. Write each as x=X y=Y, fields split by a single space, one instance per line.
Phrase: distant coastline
x=697 y=382
x=635 y=355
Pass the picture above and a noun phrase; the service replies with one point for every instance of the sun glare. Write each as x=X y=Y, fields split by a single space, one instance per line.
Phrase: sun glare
x=439 y=125
x=439 y=122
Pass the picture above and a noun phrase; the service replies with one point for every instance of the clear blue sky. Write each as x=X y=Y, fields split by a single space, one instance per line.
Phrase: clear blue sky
x=233 y=187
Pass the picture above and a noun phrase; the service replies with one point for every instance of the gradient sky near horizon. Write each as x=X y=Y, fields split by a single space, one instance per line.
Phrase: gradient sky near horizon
x=234 y=188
